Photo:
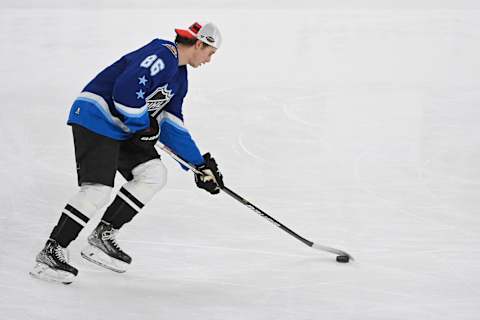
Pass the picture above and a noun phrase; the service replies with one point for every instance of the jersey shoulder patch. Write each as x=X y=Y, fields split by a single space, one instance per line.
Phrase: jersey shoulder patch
x=172 y=49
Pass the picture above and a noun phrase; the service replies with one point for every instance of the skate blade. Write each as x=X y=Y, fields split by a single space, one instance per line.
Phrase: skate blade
x=97 y=256
x=43 y=272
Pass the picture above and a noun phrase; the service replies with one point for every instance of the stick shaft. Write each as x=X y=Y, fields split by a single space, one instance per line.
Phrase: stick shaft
x=263 y=214
x=254 y=208
x=239 y=198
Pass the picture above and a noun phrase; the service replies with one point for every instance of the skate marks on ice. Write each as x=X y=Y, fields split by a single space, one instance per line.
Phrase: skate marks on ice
x=427 y=172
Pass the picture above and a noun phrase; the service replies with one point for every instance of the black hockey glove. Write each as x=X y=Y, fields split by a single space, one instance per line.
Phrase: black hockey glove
x=211 y=179
x=148 y=137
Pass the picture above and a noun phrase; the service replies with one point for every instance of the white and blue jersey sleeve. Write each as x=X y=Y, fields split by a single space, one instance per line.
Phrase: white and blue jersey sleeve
x=175 y=135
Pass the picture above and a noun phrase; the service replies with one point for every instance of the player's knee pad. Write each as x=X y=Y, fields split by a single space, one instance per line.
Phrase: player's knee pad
x=148 y=179
x=90 y=198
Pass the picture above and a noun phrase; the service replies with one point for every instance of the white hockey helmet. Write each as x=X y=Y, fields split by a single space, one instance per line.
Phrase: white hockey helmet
x=208 y=33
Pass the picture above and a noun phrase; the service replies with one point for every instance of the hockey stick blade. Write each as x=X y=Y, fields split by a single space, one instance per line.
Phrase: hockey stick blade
x=332 y=250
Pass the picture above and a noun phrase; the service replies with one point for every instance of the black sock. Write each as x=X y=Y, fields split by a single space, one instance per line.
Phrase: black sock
x=69 y=225
x=123 y=209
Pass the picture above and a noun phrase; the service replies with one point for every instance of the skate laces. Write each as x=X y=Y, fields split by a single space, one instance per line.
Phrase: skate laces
x=110 y=235
x=60 y=254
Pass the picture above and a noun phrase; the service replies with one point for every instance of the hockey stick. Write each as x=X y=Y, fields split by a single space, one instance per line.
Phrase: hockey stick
x=342 y=256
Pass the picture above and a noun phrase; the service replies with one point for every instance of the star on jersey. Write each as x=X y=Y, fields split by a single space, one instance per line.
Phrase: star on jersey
x=140 y=94
x=142 y=81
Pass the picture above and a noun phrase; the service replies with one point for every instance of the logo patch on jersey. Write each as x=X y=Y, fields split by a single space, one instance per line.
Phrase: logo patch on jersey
x=158 y=99
x=172 y=49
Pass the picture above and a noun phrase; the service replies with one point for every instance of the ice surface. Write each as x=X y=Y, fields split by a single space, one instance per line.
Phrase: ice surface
x=356 y=127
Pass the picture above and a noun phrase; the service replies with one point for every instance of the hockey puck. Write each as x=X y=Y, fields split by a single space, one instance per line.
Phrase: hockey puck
x=343 y=259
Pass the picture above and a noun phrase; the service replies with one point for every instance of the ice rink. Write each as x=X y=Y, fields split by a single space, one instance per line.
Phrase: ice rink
x=357 y=127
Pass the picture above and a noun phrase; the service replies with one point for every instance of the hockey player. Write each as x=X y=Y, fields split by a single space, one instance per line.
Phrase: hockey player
x=116 y=121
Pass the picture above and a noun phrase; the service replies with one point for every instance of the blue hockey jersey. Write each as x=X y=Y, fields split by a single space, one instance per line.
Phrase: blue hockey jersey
x=118 y=101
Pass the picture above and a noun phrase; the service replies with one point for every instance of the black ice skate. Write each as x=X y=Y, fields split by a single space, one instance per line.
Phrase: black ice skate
x=104 y=250
x=52 y=265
